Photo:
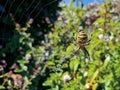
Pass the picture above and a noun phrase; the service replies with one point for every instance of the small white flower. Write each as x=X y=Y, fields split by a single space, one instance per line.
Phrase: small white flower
x=87 y=15
x=28 y=57
x=59 y=18
x=66 y=78
x=107 y=39
x=66 y=21
x=80 y=28
x=85 y=74
x=87 y=86
x=47 y=54
x=100 y=36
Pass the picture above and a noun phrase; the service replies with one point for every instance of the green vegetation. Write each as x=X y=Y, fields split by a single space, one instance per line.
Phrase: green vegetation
x=54 y=61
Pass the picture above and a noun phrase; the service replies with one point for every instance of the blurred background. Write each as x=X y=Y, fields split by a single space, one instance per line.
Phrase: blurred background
x=38 y=47
x=85 y=2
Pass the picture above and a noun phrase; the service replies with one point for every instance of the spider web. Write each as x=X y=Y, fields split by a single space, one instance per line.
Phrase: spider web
x=5 y=35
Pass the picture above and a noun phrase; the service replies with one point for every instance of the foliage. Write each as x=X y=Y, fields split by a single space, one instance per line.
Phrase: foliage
x=54 y=60
x=101 y=22
x=16 y=11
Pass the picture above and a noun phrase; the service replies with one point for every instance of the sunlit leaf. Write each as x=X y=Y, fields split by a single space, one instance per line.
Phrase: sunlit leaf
x=69 y=49
x=74 y=65
x=2 y=87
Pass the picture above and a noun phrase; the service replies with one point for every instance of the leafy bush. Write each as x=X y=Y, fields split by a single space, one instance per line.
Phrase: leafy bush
x=77 y=72
x=55 y=62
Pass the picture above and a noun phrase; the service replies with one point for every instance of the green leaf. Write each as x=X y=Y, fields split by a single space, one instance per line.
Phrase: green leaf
x=69 y=50
x=71 y=4
x=111 y=23
x=74 y=65
x=1 y=76
x=22 y=61
x=2 y=87
x=99 y=21
x=24 y=29
x=47 y=83
x=50 y=63
x=95 y=75
x=95 y=86
x=80 y=13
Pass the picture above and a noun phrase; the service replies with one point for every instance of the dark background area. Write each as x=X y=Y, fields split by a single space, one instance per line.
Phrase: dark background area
x=42 y=12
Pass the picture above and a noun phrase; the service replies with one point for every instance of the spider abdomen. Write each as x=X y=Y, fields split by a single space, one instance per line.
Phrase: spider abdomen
x=82 y=37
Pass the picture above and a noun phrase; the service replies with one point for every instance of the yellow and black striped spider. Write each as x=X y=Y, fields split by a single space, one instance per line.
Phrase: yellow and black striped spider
x=82 y=41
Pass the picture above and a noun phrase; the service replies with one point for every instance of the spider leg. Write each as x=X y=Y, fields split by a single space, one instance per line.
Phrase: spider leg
x=88 y=42
x=86 y=52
